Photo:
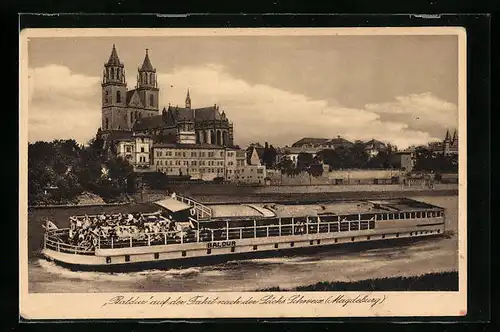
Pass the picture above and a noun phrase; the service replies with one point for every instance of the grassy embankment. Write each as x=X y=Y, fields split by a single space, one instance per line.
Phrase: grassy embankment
x=444 y=281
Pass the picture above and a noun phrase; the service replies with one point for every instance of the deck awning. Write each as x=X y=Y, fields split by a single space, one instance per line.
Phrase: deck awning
x=172 y=204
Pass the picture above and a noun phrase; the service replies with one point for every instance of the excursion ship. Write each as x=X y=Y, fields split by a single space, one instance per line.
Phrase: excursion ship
x=194 y=232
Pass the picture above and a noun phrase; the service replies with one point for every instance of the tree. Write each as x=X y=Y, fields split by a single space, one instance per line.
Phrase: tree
x=304 y=160
x=316 y=170
x=285 y=166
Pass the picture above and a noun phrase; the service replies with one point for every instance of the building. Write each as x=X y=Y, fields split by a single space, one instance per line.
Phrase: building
x=374 y=147
x=122 y=107
x=449 y=146
x=186 y=142
x=206 y=162
x=402 y=160
x=255 y=155
x=322 y=143
x=292 y=153
x=137 y=151
x=137 y=110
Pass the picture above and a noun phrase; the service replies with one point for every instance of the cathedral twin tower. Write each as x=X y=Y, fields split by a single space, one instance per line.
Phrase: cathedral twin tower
x=137 y=110
x=122 y=107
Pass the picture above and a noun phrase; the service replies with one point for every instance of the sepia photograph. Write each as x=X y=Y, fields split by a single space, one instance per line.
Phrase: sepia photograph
x=245 y=172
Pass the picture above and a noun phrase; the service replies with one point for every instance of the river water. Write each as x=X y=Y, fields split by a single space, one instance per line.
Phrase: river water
x=336 y=264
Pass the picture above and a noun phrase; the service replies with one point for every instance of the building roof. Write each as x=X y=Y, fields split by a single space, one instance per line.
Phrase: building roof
x=118 y=135
x=207 y=113
x=182 y=113
x=310 y=141
x=113 y=58
x=146 y=65
x=150 y=122
x=339 y=141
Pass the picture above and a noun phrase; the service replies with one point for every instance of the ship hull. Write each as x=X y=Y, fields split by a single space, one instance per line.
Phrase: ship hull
x=221 y=255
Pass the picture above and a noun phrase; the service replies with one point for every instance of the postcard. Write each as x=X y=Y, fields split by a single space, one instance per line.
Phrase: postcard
x=242 y=173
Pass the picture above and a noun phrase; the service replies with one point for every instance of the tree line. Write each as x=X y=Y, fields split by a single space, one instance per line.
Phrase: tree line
x=59 y=171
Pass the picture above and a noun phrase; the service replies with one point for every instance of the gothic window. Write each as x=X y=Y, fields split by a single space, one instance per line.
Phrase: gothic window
x=118 y=97
x=151 y=100
x=106 y=125
x=112 y=73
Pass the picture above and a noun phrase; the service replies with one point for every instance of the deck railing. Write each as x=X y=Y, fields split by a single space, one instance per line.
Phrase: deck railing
x=311 y=226
x=202 y=212
x=236 y=233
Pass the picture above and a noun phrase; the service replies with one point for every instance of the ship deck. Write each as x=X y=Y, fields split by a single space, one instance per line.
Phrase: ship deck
x=279 y=210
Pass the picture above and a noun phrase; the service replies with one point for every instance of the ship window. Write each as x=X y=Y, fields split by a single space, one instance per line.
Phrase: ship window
x=383 y=236
x=439 y=231
x=354 y=226
x=108 y=260
x=334 y=227
x=311 y=242
x=367 y=237
x=127 y=258
x=397 y=234
x=157 y=255
x=254 y=247
x=396 y=215
x=344 y=226
x=371 y=224
x=292 y=244
x=318 y=242
x=232 y=249
x=336 y=240
x=352 y=217
x=183 y=253
x=352 y=238
x=209 y=251
x=276 y=245
x=367 y=216
x=412 y=215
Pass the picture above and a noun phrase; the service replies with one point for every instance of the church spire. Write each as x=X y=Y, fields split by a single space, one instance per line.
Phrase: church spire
x=147 y=73
x=114 y=71
x=447 y=138
x=146 y=64
x=188 y=100
x=113 y=59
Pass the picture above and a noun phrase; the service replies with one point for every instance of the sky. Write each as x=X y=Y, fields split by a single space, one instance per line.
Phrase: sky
x=276 y=89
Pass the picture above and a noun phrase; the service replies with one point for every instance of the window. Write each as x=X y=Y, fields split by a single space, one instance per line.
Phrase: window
x=106 y=123
x=127 y=258
x=118 y=97
x=254 y=247
x=222 y=154
x=142 y=149
x=183 y=253
x=157 y=255
x=108 y=260
x=193 y=163
x=151 y=100
x=113 y=73
x=193 y=154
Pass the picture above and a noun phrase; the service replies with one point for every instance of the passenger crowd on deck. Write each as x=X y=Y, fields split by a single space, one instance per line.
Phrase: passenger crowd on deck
x=85 y=231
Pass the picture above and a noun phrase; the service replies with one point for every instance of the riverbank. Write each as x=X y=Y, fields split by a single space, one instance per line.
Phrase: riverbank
x=444 y=281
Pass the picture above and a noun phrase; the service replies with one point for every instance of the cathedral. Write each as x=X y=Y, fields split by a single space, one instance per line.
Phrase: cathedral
x=126 y=112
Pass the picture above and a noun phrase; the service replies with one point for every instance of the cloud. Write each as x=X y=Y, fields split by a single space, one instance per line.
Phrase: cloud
x=62 y=104
x=65 y=104
x=264 y=113
x=420 y=111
